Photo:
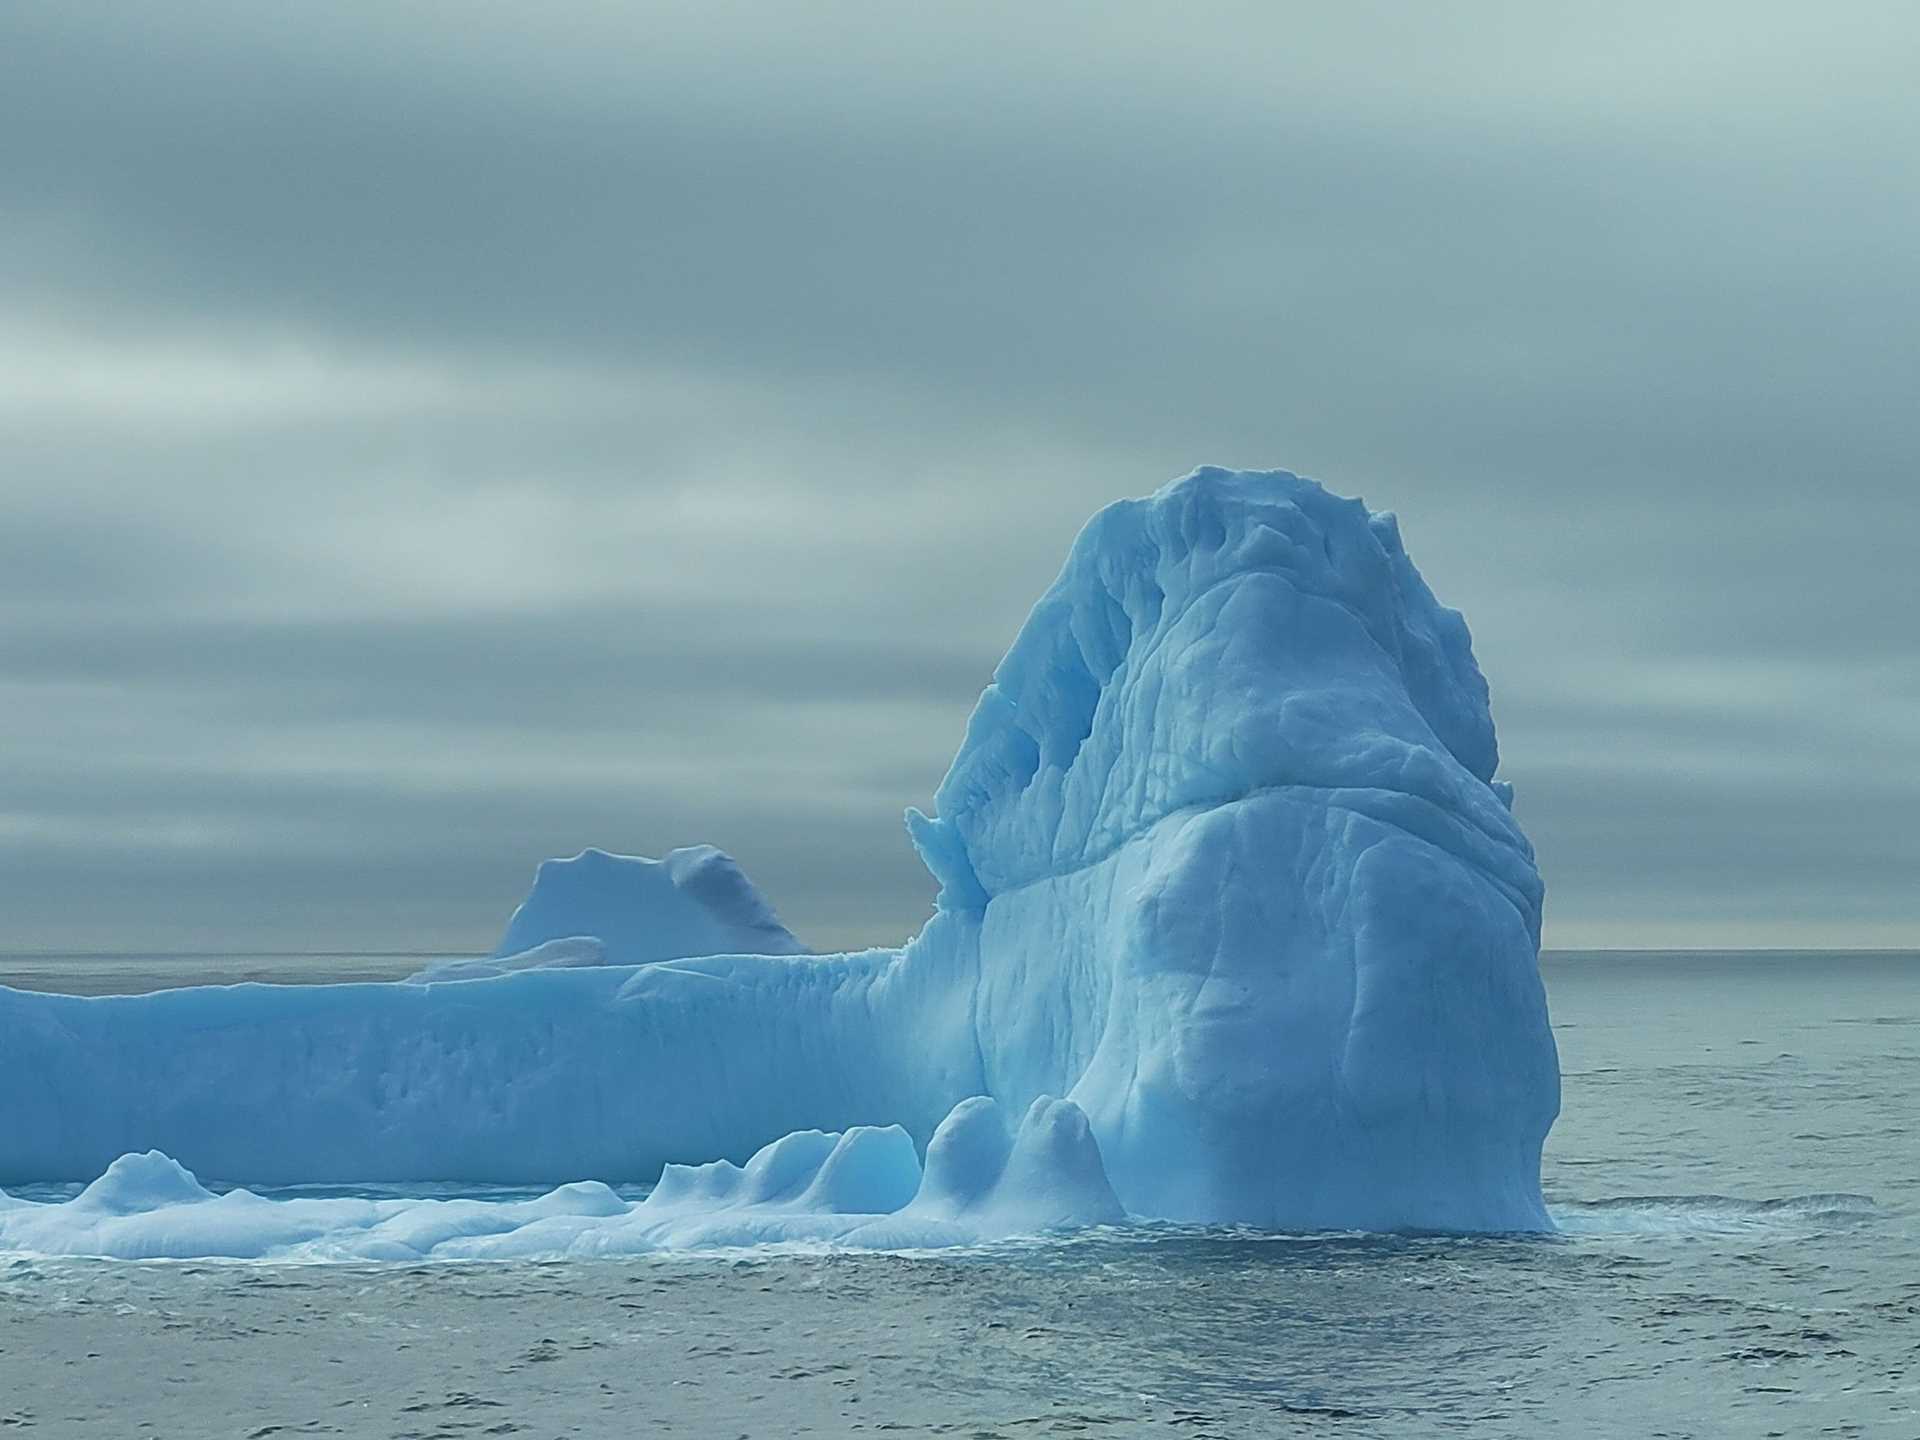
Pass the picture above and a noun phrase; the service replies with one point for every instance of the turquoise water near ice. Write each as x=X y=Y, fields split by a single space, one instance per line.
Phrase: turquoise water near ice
x=1736 y=1176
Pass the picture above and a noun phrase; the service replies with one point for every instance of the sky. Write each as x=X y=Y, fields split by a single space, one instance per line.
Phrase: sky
x=436 y=436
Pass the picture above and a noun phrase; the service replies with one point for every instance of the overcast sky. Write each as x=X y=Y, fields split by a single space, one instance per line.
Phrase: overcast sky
x=438 y=436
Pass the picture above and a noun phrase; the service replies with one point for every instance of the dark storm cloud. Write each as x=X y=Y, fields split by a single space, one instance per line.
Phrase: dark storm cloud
x=437 y=436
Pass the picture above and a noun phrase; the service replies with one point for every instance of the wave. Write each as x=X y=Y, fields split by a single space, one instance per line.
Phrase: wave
x=1666 y=1214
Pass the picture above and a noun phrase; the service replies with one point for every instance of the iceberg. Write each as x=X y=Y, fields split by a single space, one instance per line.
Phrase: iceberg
x=1224 y=864
x=602 y=909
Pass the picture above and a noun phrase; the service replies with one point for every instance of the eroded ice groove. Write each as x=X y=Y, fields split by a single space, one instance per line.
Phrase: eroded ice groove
x=1223 y=859
x=864 y=1188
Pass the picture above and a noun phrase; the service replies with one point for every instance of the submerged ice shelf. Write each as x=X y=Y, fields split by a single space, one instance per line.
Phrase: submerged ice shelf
x=1223 y=862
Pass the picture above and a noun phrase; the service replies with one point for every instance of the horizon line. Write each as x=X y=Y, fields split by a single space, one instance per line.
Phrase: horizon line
x=44 y=954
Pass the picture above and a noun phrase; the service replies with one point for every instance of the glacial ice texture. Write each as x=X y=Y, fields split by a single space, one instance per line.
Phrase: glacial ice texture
x=1223 y=861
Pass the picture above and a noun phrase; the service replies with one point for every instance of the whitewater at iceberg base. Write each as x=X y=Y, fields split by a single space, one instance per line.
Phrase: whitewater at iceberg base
x=1223 y=863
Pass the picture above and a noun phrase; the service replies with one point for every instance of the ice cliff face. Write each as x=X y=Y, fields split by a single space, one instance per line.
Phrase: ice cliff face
x=1244 y=884
x=1222 y=859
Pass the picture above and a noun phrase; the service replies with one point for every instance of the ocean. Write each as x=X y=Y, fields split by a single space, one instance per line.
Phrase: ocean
x=1735 y=1175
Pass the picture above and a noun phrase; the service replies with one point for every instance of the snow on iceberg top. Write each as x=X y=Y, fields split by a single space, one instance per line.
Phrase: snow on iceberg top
x=1237 y=631
x=691 y=902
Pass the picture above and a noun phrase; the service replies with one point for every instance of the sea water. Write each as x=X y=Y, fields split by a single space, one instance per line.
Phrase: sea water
x=1735 y=1175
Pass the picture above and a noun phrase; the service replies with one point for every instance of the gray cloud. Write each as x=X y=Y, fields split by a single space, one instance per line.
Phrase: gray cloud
x=432 y=439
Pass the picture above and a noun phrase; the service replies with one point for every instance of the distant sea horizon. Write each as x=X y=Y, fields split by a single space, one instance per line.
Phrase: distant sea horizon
x=135 y=972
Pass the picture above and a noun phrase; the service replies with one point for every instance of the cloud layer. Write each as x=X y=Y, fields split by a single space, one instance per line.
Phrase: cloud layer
x=434 y=437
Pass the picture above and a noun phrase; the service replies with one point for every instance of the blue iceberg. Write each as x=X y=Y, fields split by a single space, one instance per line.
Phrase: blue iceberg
x=1224 y=866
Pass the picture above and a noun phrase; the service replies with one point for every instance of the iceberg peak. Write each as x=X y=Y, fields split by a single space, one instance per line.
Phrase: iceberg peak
x=1237 y=631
